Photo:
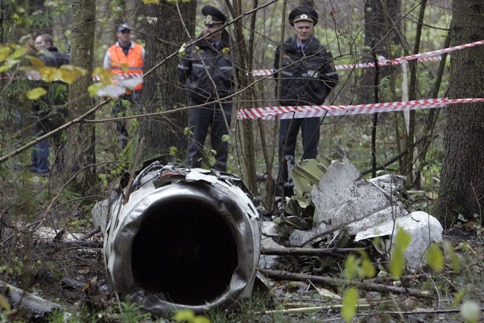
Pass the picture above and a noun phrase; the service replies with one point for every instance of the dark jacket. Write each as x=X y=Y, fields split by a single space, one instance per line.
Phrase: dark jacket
x=208 y=72
x=308 y=75
x=51 y=107
x=53 y=58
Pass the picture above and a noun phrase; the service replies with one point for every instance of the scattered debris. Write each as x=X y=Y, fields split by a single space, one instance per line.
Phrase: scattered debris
x=334 y=207
x=422 y=227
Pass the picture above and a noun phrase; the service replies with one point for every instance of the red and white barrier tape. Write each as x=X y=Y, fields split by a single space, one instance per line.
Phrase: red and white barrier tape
x=119 y=76
x=422 y=57
x=95 y=78
x=310 y=111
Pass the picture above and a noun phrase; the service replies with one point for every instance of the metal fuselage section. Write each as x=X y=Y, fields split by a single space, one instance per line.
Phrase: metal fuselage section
x=185 y=239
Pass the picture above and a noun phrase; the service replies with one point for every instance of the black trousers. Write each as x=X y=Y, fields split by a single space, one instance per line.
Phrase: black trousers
x=288 y=131
x=214 y=118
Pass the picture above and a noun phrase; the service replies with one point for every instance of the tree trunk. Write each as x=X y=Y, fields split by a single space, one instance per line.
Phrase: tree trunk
x=80 y=152
x=379 y=19
x=462 y=175
x=174 y=25
x=247 y=128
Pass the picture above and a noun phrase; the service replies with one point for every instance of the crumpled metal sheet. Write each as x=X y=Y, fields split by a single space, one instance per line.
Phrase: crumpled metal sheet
x=221 y=194
x=422 y=227
x=344 y=199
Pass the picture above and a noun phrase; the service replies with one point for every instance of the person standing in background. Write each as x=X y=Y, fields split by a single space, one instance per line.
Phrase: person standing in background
x=125 y=60
x=49 y=112
x=307 y=75
x=207 y=70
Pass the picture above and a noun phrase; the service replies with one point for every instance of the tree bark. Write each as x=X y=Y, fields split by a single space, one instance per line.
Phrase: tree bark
x=247 y=127
x=81 y=156
x=169 y=25
x=462 y=175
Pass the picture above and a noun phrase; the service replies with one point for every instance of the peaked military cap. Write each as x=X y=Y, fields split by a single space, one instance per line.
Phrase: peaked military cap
x=303 y=13
x=213 y=16
x=123 y=27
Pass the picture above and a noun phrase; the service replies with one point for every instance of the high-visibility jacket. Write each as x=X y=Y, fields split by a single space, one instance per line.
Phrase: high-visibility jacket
x=127 y=66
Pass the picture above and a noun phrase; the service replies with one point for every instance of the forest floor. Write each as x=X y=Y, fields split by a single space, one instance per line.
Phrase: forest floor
x=65 y=266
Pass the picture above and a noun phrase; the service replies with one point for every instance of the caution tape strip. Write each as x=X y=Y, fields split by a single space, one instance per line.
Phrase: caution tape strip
x=311 y=111
x=95 y=78
x=422 y=57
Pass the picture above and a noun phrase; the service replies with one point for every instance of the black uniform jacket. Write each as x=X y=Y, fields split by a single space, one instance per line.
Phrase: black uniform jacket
x=307 y=75
x=208 y=72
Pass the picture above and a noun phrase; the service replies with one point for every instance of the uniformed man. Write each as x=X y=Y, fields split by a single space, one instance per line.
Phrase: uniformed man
x=208 y=74
x=307 y=75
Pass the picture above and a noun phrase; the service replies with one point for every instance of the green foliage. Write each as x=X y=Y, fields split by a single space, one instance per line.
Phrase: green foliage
x=449 y=249
x=36 y=93
x=397 y=260
x=190 y=317
x=435 y=257
x=247 y=310
x=351 y=267
x=81 y=315
x=187 y=132
x=172 y=150
x=360 y=268
x=350 y=304
x=458 y=298
x=4 y=304
x=129 y=311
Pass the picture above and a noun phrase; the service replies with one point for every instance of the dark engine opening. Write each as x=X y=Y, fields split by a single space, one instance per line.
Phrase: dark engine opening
x=185 y=250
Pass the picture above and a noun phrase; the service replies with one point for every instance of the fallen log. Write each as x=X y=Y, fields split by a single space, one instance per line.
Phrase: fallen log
x=284 y=275
x=19 y=298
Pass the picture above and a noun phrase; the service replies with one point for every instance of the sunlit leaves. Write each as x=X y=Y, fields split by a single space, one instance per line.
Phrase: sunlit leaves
x=351 y=267
x=350 y=303
x=449 y=249
x=4 y=53
x=39 y=71
x=397 y=261
x=10 y=55
x=18 y=53
x=181 y=51
x=458 y=298
x=109 y=87
x=36 y=93
x=367 y=268
x=70 y=73
x=361 y=268
x=435 y=258
x=151 y=1
x=189 y=316
x=4 y=304
x=5 y=67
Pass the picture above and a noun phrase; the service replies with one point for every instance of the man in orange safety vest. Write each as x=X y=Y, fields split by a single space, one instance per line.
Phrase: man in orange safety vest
x=125 y=60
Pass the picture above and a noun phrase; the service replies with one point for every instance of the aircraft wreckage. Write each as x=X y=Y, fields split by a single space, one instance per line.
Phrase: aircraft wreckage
x=179 y=238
